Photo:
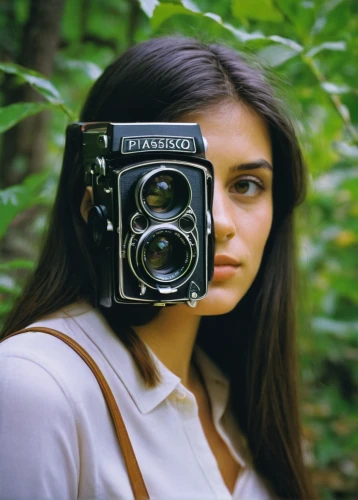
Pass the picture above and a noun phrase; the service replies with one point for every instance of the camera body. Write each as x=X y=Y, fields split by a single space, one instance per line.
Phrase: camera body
x=152 y=221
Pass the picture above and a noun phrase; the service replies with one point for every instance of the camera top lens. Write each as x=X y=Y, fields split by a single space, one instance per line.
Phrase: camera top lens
x=159 y=193
x=164 y=194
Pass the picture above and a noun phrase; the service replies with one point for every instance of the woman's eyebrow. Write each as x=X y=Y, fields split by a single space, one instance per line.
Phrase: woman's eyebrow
x=251 y=165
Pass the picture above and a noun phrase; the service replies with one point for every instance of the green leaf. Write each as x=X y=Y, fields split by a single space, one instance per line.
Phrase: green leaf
x=15 y=199
x=36 y=80
x=189 y=4
x=258 y=10
x=90 y=69
x=332 y=18
x=336 y=46
x=333 y=88
x=240 y=34
x=14 y=113
x=213 y=16
x=275 y=55
x=348 y=150
x=293 y=47
x=148 y=6
x=245 y=37
x=166 y=10
x=287 y=42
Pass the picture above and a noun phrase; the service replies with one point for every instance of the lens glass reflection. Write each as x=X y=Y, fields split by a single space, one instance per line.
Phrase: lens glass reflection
x=159 y=193
x=159 y=253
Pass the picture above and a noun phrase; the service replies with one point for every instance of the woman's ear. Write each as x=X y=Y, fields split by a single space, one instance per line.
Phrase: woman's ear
x=86 y=203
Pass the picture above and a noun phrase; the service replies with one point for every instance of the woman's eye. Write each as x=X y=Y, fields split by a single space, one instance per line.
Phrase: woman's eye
x=247 y=187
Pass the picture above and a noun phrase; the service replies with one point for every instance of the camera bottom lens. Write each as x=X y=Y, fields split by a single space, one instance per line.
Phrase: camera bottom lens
x=159 y=254
x=166 y=254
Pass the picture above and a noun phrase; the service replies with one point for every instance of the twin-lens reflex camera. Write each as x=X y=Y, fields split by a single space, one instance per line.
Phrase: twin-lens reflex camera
x=152 y=219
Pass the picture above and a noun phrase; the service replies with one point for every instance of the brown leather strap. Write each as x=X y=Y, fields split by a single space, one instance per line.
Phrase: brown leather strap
x=134 y=473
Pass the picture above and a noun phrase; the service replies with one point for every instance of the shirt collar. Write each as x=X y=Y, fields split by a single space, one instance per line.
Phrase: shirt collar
x=95 y=326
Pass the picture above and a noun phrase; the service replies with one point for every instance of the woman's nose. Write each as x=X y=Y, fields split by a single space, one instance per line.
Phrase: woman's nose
x=224 y=223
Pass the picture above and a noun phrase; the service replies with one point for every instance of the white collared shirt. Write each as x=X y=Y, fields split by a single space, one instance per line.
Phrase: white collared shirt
x=57 y=440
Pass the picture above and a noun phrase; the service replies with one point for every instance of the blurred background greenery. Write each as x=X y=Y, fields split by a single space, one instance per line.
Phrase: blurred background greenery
x=50 y=53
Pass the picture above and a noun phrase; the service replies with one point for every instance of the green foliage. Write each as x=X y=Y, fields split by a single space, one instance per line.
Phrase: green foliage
x=148 y=6
x=18 y=198
x=312 y=45
x=37 y=81
x=258 y=10
x=14 y=113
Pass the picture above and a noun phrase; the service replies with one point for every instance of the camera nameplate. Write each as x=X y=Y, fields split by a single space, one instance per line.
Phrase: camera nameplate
x=157 y=143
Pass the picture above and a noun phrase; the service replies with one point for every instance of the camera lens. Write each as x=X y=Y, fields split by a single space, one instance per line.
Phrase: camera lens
x=166 y=254
x=163 y=194
x=159 y=253
x=159 y=193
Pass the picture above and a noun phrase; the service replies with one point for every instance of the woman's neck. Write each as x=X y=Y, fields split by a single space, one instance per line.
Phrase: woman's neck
x=171 y=336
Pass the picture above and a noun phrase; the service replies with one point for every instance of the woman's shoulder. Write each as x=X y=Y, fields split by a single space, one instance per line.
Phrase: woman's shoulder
x=37 y=358
x=37 y=344
x=39 y=413
x=64 y=320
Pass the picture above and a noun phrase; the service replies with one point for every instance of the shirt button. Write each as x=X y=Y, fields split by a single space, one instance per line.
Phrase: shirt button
x=181 y=394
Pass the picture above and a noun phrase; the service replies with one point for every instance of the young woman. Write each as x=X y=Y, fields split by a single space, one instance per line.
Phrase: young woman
x=208 y=394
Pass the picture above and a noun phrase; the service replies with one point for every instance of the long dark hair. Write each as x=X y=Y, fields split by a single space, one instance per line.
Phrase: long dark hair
x=255 y=343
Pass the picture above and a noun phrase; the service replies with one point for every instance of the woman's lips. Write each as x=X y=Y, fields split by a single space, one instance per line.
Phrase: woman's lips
x=225 y=267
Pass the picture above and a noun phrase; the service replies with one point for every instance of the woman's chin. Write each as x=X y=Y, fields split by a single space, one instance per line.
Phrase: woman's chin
x=218 y=301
